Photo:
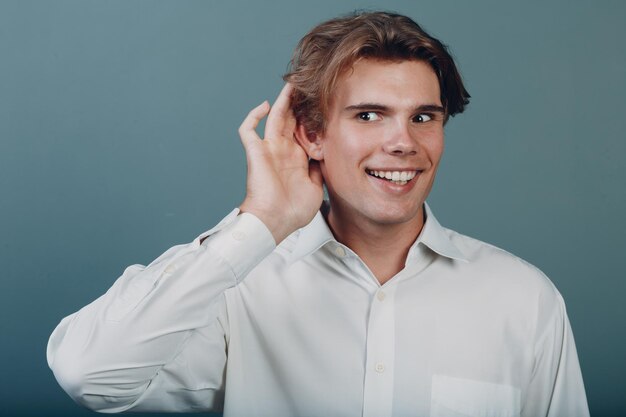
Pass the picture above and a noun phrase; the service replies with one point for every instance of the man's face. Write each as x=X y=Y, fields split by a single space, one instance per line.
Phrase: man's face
x=385 y=120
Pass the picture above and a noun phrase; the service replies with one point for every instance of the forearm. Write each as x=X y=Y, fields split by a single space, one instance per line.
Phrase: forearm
x=107 y=354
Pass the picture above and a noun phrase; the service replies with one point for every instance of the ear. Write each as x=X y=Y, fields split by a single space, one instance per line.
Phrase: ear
x=310 y=142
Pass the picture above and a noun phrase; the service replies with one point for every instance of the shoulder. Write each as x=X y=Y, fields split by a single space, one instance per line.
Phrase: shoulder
x=496 y=266
x=507 y=284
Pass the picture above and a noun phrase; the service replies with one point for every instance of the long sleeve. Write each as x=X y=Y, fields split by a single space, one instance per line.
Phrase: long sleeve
x=137 y=346
x=556 y=387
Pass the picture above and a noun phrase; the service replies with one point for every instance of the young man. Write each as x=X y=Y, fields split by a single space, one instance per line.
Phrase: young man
x=366 y=306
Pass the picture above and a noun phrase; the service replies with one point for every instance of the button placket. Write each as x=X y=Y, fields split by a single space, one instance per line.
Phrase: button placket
x=379 y=372
x=340 y=252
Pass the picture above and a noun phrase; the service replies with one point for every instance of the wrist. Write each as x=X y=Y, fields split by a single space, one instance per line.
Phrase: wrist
x=275 y=223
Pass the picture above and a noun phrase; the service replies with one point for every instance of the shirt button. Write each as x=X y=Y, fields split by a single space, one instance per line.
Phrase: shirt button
x=170 y=269
x=380 y=367
x=339 y=251
x=381 y=295
x=238 y=235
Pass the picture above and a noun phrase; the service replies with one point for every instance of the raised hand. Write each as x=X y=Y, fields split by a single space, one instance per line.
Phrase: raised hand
x=284 y=190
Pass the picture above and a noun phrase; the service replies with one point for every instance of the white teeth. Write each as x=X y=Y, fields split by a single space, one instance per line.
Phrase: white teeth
x=397 y=177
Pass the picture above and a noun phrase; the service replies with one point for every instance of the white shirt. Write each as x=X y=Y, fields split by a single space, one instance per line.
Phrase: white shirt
x=305 y=329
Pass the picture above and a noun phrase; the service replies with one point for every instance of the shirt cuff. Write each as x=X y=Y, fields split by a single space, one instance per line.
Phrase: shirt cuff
x=243 y=243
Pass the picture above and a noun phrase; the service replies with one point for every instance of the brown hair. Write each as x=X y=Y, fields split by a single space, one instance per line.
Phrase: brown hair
x=332 y=47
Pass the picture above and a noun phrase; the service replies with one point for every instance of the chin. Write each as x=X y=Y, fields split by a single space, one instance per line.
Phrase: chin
x=394 y=215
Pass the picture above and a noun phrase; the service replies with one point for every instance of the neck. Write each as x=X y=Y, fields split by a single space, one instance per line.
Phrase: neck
x=382 y=247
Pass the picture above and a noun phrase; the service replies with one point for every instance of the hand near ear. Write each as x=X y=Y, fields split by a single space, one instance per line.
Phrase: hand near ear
x=283 y=189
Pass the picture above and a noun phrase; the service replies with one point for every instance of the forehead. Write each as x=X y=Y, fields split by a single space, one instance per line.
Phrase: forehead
x=392 y=83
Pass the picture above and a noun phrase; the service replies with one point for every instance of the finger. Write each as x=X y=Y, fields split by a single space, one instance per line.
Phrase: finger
x=280 y=113
x=315 y=172
x=247 y=128
x=289 y=129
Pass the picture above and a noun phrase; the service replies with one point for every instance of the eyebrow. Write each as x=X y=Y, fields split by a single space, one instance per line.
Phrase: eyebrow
x=432 y=108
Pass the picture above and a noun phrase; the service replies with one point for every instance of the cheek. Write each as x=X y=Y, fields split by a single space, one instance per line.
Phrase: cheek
x=343 y=152
x=434 y=146
x=437 y=151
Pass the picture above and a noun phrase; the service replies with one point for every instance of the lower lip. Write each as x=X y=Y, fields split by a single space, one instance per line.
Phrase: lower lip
x=395 y=189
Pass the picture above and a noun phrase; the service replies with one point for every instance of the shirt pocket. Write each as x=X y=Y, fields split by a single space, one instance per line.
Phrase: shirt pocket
x=458 y=397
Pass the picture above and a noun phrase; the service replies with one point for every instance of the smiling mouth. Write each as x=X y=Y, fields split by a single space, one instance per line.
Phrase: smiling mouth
x=396 y=177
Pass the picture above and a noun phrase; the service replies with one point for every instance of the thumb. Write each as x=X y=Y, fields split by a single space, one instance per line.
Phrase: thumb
x=247 y=131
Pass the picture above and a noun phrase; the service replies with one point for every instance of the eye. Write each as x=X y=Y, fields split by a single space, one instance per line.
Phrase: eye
x=368 y=116
x=422 y=118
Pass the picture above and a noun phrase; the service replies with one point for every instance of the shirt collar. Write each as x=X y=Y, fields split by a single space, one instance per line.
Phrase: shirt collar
x=317 y=233
x=437 y=238
x=312 y=237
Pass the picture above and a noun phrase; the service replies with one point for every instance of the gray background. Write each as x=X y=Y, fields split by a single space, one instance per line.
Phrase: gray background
x=118 y=139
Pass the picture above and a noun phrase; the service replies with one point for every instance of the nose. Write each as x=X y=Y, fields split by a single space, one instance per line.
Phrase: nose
x=400 y=141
